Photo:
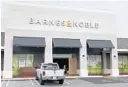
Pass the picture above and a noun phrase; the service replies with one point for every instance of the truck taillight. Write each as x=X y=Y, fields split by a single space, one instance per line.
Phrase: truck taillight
x=43 y=73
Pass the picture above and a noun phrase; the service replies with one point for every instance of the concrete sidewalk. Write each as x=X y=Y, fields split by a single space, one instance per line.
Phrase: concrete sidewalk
x=67 y=77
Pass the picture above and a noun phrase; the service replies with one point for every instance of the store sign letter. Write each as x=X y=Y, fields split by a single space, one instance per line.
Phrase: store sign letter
x=65 y=23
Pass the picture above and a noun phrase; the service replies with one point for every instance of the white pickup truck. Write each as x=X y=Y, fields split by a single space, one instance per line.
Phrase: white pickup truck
x=50 y=71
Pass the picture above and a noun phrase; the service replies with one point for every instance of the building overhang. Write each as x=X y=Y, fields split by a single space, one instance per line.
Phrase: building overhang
x=66 y=43
x=100 y=43
x=29 y=41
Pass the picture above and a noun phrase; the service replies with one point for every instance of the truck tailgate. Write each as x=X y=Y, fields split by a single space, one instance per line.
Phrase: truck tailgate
x=54 y=72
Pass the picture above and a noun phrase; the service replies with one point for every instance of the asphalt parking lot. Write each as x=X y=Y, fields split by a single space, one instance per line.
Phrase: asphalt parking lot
x=106 y=80
x=32 y=83
x=81 y=82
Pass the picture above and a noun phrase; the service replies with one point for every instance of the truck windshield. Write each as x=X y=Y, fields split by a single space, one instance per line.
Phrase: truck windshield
x=50 y=66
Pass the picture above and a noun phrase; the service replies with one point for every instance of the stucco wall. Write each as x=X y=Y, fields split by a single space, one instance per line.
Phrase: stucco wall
x=19 y=16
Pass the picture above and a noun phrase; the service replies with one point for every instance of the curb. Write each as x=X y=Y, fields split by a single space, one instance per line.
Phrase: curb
x=68 y=77
x=13 y=79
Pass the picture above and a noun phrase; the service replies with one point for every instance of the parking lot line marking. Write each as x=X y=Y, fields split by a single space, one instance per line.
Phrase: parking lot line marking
x=66 y=82
x=36 y=82
x=31 y=82
x=2 y=83
x=7 y=83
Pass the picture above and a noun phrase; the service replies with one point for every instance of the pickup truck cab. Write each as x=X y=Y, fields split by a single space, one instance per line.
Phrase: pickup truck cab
x=50 y=71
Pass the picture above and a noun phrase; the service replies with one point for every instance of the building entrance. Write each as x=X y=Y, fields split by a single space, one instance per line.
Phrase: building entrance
x=69 y=64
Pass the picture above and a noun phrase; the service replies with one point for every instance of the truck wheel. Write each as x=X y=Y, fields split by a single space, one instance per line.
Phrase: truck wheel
x=61 y=81
x=36 y=77
x=41 y=82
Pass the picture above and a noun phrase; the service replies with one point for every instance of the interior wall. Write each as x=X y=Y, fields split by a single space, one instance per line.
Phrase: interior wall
x=62 y=62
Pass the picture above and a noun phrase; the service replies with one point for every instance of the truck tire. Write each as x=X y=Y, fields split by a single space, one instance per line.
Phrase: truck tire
x=36 y=77
x=61 y=81
x=41 y=81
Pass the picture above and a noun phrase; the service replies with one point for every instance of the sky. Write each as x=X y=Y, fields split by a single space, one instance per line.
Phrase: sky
x=119 y=7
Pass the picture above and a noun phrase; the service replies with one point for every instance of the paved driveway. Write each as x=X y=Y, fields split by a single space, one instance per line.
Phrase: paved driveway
x=81 y=82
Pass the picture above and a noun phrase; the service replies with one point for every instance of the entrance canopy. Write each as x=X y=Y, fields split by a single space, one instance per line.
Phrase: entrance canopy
x=29 y=41
x=66 y=43
x=100 y=44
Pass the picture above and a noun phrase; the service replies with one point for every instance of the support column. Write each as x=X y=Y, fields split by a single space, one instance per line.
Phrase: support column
x=8 y=53
x=83 y=59
x=114 y=63
x=104 y=63
x=48 y=50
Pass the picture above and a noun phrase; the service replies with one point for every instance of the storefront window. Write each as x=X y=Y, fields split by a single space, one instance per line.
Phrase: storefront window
x=94 y=65
x=123 y=64
x=21 y=60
